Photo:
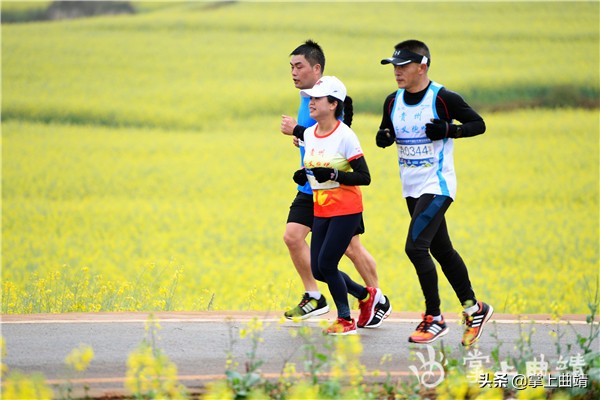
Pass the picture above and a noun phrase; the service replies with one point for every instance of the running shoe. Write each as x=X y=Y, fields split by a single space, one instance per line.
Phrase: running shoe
x=475 y=323
x=342 y=326
x=308 y=307
x=367 y=306
x=428 y=330
x=382 y=311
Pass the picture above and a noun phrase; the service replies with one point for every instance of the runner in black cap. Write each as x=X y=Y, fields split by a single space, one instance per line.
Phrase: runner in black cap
x=418 y=118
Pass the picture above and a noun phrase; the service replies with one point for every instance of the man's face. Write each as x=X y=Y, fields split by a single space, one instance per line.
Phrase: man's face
x=408 y=76
x=304 y=75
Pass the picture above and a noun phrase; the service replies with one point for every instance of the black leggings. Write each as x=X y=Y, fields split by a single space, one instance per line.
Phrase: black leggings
x=428 y=231
x=329 y=241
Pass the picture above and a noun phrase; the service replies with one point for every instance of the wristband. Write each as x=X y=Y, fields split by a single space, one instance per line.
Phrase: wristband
x=299 y=132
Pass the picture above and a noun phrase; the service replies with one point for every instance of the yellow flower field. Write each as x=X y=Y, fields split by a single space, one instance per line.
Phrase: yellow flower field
x=143 y=168
x=149 y=219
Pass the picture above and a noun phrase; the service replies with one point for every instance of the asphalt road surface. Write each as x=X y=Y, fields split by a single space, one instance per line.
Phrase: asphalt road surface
x=198 y=344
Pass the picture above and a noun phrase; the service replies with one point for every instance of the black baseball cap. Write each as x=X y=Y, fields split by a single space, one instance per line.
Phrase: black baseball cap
x=402 y=57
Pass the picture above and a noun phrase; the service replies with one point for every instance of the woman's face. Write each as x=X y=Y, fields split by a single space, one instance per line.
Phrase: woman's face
x=320 y=107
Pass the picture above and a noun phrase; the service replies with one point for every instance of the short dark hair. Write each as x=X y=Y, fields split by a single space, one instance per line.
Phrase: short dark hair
x=312 y=52
x=416 y=46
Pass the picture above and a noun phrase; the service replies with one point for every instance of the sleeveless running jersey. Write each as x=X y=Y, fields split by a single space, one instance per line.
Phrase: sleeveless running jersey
x=425 y=166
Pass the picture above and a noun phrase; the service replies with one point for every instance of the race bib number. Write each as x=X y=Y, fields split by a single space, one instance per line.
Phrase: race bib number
x=413 y=153
x=316 y=185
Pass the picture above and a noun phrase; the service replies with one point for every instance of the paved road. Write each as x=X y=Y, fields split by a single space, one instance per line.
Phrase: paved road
x=198 y=343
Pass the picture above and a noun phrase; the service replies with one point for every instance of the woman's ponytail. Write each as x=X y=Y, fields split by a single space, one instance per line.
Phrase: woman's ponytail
x=348 y=111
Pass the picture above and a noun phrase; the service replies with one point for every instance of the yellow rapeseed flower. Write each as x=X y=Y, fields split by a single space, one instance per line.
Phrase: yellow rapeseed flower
x=305 y=330
x=455 y=386
x=303 y=390
x=385 y=359
x=218 y=390
x=151 y=373
x=80 y=358
x=17 y=386
x=289 y=371
x=557 y=310
x=346 y=359
x=152 y=324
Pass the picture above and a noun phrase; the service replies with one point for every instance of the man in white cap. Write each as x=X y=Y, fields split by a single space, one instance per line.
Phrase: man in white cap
x=307 y=65
x=335 y=167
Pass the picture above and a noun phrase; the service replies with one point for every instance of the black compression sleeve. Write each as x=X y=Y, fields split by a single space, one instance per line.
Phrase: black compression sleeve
x=451 y=105
x=299 y=132
x=359 y=176
x=386 y=118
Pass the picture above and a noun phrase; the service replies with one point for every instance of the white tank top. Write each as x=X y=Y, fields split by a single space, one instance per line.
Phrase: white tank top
x=426 y=167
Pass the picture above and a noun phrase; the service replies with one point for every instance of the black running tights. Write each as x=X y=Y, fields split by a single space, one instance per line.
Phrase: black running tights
x=428 y=232
x=329 y=241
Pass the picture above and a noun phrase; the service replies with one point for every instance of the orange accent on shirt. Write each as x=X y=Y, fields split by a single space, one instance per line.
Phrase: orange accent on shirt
x=343 y=200
x=328 y=133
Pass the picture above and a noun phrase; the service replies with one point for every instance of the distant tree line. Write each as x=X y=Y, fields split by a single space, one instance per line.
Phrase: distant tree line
x=57 y=10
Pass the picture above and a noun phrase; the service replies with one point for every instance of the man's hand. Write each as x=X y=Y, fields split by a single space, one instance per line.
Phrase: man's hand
x=325 y=174
x=300 y=177
x=287 y=125
x=439 y=129
x=385 y=138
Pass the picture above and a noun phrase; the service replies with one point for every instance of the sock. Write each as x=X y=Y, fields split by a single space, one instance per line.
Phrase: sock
x=314 y=294
x=382 y=300
x=348 y=318
x=437 y=318
x=473 y=309
x=366 y=297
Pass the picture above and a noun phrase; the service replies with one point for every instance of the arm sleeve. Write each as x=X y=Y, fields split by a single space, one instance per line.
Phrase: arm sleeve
x=451 y=105
x=360 y=174
x=386 y=119
x=299 y=131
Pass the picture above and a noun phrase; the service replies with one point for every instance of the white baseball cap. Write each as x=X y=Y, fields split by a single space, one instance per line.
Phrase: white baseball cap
x=326 y=86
